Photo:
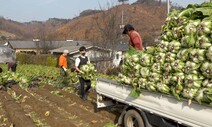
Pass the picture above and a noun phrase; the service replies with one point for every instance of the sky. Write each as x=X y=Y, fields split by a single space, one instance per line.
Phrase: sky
x=42 y=10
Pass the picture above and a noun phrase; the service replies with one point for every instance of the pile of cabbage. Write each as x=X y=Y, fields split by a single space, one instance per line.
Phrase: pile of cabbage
x=181 y=64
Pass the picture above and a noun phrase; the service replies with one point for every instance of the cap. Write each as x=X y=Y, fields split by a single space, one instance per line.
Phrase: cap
x=127 y=28
x=82 y=48
x=65 y=51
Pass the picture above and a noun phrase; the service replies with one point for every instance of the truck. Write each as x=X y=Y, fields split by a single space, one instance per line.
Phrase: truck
x=151 y=109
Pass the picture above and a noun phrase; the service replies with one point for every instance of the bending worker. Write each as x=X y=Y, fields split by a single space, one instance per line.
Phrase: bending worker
x=135 y=38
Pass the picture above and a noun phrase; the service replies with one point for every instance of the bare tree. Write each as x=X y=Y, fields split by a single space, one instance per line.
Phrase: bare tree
x=107 y=24
x=45 y=40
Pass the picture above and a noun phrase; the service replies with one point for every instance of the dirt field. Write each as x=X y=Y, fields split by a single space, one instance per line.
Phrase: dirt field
x=51 y=107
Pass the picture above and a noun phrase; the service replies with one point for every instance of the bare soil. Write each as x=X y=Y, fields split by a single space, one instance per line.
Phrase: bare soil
x=41 y=107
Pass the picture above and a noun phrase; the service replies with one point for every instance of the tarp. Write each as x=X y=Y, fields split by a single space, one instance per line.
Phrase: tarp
x=5 y=54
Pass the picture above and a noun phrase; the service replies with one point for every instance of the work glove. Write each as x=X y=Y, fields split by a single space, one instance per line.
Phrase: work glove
x=64 y=69
x=81 y=72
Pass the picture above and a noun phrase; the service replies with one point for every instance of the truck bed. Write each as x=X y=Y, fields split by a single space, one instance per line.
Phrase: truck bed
x=168 y=106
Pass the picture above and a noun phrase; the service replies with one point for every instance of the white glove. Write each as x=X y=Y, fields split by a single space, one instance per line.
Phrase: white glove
x=64 y=69
x=81 y=72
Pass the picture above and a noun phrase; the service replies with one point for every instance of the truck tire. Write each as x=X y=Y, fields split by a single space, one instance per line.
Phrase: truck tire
x=133 y=119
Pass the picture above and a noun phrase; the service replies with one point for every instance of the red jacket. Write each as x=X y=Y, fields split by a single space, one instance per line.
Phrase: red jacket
x=135 y=40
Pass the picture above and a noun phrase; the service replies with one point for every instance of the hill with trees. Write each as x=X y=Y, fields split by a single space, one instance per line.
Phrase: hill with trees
x=99 y=26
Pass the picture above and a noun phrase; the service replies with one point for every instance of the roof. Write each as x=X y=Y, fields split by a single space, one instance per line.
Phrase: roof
x=2 y=43
x=51 y=44
x=75 y=49
x=121 y=46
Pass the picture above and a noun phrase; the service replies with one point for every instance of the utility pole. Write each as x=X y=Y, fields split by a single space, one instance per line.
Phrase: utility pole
x=168 y=6
x=122 y=18
x=122 y=24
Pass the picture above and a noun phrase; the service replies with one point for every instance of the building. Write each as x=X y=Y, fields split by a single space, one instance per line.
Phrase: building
x=119 y=50
x=37 y=47
x=101 y=57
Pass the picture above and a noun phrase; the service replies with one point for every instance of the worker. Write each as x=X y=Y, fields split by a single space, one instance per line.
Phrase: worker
x=63 y=64
x=1 y=70
x=11 y=64
x=82 y=60
x=135 y=38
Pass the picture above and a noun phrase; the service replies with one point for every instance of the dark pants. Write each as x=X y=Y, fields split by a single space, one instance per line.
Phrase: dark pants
x=84 y=90
x=1 y=70
x=12 y=66
x=64 y=81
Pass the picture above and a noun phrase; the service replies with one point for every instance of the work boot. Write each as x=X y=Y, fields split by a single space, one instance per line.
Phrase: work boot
x=84 y=98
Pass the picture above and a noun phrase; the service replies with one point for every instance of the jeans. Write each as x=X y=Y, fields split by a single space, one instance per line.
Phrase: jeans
x=84 y=90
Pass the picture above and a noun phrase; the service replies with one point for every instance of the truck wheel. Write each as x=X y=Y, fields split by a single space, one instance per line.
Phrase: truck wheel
x=133 y=119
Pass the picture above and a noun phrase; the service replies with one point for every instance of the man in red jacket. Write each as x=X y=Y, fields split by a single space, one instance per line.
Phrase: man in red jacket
x=135 y=38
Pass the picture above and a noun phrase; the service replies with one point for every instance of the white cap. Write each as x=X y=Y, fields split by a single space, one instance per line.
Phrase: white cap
x=65 y=51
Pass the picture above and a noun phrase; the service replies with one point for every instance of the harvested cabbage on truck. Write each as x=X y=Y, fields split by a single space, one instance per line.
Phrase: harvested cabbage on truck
x=181 y=64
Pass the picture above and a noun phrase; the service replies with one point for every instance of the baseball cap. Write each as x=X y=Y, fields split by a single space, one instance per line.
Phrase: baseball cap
x=127 y=27
x=65 y=51
x=82 y=48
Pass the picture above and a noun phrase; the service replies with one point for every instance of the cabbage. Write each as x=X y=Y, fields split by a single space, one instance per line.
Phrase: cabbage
x=124 y=79
x=204 y=95
x=167 y=67
x=146 y=59
x=203 y=42
x=170 y=57
x=144 y=71
x=207 y=83
x=188 y=41
x=191 y=67
x=209 y=54
x=162 y=46
x=142 y=83
x=183 y=54
x=89 y=71
x=166 y=79
x=163 y=88
x=151 y=86
x=178 y=66
x=156 y=67
x=191 y=27
x=174 y=46
x=176 y=90
x=193 y=80
x=204 y=28
x=178 y=32
x=160 y=57
x=154 y=77
x=177 y=77
x=197 y=55
x=189 y=93
x=206 y=69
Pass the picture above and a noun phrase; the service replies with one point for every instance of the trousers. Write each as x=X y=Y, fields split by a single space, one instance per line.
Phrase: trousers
x=84 y=90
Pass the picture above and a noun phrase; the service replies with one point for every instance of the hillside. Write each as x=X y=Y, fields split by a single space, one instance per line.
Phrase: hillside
x=147 y=19
x=101 y=26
